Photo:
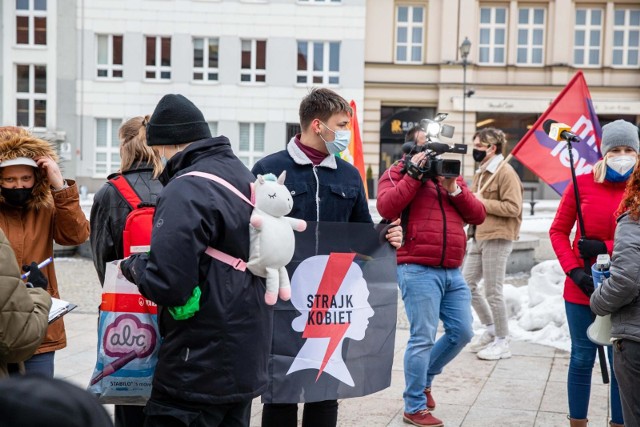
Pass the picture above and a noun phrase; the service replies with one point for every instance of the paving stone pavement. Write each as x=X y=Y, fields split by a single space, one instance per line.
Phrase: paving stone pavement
x=528 y=389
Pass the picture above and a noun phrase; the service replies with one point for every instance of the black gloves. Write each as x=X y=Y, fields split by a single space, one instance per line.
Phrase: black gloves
x=133 y=266
x=583 y=280
x=36 y=278
x=590 y=248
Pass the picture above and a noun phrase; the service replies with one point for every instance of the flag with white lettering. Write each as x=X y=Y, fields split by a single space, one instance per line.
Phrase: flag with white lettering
x=549 y=159
x=335 y=338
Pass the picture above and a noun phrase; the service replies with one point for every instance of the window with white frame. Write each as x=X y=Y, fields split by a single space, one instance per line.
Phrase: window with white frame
x=205 y=59
x=31 y=96
x=251 y=143
x=626 y=37
x=253 y=61
x=109 y=59
x=31 y=22
x=318 y=62
x=107 y=147
x=158 y=58
x=530 y=36
x=213 y=128
x=587 y=37
x=492 y=43
x=409 y=34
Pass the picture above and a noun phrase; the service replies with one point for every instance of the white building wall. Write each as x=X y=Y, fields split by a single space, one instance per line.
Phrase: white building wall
x=226 y=101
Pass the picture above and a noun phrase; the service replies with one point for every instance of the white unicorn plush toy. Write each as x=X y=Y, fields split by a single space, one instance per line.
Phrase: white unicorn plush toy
x=272 y=239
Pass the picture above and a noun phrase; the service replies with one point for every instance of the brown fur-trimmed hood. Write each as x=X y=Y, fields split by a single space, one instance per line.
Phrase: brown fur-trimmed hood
x=17 y=142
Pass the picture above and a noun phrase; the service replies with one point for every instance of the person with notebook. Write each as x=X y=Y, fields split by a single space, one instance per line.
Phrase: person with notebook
x=37 y=207
x=24 y=308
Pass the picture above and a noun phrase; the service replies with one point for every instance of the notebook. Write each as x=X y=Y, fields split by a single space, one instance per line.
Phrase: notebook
x=59 y=308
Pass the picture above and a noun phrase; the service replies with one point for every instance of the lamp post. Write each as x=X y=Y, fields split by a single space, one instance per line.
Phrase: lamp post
x=465 y=47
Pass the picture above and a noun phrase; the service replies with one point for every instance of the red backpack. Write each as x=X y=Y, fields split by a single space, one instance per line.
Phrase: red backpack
x=136 y=236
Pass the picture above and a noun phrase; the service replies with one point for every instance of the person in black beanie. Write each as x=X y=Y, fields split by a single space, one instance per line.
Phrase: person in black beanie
x=36 y=400
x=215 y=325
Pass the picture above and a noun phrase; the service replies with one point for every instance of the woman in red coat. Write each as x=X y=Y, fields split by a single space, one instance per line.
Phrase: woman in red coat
x=600 y=194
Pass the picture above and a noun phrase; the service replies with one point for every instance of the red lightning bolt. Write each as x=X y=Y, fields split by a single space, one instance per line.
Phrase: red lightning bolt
x=334 y=273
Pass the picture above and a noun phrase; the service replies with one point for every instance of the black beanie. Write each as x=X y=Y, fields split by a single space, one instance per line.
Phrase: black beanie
x=34 y=401
x=176 y=120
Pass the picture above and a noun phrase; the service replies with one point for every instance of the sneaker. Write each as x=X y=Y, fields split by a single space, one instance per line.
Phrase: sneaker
x=499 y=349
x=422 y=418
x=480 y=342
x=431 y=404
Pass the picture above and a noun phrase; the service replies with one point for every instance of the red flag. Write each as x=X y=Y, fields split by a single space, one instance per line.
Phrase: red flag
x=354 y=153
x=549 y=159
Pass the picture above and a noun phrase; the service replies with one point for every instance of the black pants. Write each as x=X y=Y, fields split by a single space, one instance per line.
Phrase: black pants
x=129 y=416
x=626 y=364
x=167 y=414
x=315 y=414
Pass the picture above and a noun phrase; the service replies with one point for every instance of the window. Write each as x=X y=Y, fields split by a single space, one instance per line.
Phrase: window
x=205 y=59
x=251 y=143
x=626 y=35
x=213 y=128
x=587 y=37
x=530 y=36
x=107 y=153
x=409 y=34
x=253 y=61
x=31 y=96
x=493 y=36
x=31 y=22
x=109 y=56
x=158 y=52
x=292 y=130
x=318 y=62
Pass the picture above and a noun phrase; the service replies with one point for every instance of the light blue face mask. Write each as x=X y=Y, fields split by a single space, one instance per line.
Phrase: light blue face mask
x=163 y=159
x=340 y=142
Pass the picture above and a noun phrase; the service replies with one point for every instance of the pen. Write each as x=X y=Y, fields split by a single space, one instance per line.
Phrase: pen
x=115 y=365
x=42 y=264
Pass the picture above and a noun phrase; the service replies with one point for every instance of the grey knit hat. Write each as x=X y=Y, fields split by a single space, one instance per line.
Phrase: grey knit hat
x=619 y=133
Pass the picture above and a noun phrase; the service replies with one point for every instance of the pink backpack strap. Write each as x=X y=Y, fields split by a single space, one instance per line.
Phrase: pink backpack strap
x=214 y=253
x=224 y=183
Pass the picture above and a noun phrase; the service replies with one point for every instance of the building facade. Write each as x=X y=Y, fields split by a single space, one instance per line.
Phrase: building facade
x=522 y=55
x=245 y=63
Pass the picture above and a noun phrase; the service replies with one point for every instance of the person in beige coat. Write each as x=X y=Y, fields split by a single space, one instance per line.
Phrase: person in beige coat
x=498 y=186
x=24 y=311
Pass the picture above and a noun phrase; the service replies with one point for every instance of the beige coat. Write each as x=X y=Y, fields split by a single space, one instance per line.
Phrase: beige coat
x=502 y=199
x=23 y=311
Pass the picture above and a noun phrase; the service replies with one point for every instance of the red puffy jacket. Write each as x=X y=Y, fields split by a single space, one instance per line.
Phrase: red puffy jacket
x=435 y=233
x=599 y=203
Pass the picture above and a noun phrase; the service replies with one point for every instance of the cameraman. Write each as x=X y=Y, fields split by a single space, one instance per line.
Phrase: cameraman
x=434 y=211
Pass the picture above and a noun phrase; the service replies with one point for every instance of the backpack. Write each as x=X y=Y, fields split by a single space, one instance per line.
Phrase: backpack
x=136 y=236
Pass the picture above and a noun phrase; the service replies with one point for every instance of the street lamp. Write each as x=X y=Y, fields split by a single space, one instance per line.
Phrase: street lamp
x=465 y=47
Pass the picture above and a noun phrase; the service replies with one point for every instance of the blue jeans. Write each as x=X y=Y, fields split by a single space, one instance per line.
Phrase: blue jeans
x=38 y=364
x=430 y=294
x=583 y=357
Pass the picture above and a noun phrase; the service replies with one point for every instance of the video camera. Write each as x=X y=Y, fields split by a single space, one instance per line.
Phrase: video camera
x=432 y=166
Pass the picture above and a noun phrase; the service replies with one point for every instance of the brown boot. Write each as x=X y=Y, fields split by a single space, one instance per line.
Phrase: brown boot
x=578 y=423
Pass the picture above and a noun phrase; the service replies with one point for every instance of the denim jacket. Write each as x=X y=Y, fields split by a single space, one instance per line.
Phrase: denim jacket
x=330 y=191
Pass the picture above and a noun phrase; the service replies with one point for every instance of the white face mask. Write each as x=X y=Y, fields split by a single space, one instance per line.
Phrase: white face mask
x=340 y=142
x=622 y=164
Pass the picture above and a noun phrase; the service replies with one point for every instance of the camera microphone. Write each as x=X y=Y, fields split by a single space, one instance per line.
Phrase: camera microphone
x=559 y=131
x=436 y=147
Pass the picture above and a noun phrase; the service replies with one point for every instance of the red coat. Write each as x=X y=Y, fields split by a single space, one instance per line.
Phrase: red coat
x=435 y=233
x=599 y=203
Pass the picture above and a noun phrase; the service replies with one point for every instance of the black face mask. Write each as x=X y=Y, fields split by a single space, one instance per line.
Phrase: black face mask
x=479 y=155
x=18 y=197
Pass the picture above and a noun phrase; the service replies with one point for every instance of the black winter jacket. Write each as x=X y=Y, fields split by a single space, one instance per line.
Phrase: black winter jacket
x=109 y=213
x=220 y=354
